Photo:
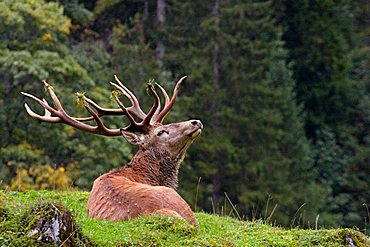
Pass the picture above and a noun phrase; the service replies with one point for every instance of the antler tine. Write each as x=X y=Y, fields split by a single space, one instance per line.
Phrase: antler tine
x=47 y=117
x=155 y=107
x=146 y=121
x=166 y=97
x=53 y=96
x=135 y=108
x=133 y=123
x=168 y=106
x=166 y=100
x=100 y=110
x=125 y=88
x=47 y=113
x=95 y=116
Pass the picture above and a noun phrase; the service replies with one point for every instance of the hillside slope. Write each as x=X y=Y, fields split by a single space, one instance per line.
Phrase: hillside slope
x=158 y=231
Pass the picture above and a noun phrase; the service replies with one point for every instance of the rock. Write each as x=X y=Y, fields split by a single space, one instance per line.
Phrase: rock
x=53 y=223
x=349 y=240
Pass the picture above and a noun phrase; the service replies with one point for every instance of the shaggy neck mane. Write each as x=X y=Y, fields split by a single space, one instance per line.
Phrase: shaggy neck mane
x=153 y=167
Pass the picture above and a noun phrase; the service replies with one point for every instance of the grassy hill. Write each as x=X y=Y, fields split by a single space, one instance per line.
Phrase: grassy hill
x=16 y=213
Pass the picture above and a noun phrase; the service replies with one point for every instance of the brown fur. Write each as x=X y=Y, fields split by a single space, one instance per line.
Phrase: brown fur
x=146 y=185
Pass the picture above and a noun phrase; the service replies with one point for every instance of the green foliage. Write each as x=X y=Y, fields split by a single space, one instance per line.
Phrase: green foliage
x=253 y=95
x=77 y=12
x=34 y=50
x=332 y=85
x=41 y=177
x=323 y=40
x=133 y=57
x=163 y=231
x=36 y=22
x=102 y=5
x=37 y=52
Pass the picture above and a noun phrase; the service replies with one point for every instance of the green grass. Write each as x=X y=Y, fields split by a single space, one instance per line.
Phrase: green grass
x=161 y=231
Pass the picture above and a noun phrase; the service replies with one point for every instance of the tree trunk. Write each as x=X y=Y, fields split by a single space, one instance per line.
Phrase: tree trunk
x=216 y=184
x=161 y=14
x=6 y=120
x=216 y=47
x=146 y=10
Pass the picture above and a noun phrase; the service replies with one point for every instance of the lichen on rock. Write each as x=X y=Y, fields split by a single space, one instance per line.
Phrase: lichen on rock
x=52 y=223
x=349 y=237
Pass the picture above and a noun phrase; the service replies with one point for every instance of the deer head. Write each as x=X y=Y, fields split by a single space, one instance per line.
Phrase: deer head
x=149 y=133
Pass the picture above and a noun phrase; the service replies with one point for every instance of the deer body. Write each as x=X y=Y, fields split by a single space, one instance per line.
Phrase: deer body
x=116 y=197
x=147 y=184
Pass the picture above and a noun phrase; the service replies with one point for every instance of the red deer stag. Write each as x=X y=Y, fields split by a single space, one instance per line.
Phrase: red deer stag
x=146 y=185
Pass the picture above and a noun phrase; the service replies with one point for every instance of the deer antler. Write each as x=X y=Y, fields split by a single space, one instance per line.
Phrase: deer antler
x=59 y=115
x=135 y=108
x=168 y=103
x=158 y=116
x=62 y=117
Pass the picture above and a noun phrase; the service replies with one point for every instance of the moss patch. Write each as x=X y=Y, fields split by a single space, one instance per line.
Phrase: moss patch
x=39 y=222
x=156 y=231
x=1 y=207
x=350 y=237
x=3 y=210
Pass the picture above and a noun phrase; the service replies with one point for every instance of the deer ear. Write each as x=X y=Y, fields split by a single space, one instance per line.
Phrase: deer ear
x=133 y=138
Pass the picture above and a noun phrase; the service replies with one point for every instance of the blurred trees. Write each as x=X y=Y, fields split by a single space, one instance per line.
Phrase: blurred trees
x=34 y=46
x=282 y=88
x=41 y=177
x=331 y=85
x=239 y=42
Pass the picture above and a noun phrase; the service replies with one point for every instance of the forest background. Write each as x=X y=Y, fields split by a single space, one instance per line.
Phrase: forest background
x=282 y=88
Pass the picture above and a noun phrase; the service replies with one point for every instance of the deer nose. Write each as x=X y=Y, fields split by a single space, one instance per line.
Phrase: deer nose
x=197 y=123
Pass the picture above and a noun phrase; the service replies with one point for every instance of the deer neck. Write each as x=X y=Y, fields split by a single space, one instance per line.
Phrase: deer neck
x=154 y=167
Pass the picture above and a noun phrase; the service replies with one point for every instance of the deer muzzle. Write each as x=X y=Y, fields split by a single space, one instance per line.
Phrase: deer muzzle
x=198 y=126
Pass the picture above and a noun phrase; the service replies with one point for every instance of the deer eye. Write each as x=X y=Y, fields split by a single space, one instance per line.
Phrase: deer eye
x=161 y=132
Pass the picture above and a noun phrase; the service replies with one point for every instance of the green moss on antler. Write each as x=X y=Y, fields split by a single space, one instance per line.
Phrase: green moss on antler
x=116 y=94
x=80 y=99
x=151 y=83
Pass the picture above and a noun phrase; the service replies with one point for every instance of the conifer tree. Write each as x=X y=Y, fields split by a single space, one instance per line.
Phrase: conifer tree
x=254 y=144
x=330 y=84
